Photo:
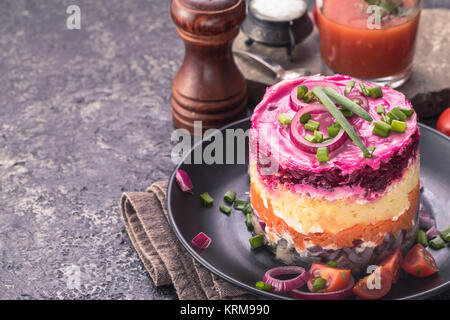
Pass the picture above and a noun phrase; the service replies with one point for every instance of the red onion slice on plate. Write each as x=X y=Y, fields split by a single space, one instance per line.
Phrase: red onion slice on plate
x=426 y=222
x=297 y=104
x=433 y=232
x=286 y=285
x=336 y=295
x=202 y=241
x=183 y=181
x=298 y=132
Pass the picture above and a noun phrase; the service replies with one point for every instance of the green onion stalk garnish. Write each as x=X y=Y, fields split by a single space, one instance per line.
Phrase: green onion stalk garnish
x=346 y=103
x=340 y=118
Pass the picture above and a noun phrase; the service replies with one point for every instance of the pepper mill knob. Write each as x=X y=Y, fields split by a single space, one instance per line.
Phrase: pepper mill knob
x=208 y=86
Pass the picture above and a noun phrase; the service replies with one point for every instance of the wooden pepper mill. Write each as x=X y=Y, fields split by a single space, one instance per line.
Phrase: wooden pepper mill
x=208 y=87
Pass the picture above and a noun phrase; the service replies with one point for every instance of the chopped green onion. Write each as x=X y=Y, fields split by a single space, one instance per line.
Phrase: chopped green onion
x=408 y=112
x=230 y=196
x=322 y=154
x=284 y=118
x=318 y=136
x=309 y=97
x=398 y=126
x=380 y=132
x=301 y=91
x=333 y=130
x=418 y=271
x=240 y=204
x=364 y=89
x=399 y=113
x=422 y=238
x=319 y=284
x=381 y=109
x=346 y=103
x=310 y=138
x=331 y=107
x=305 y=117
x=445 y=233
x=248 y=208
x=437 y=243
x=372 y=150
x=349 y=86
x=206 y=200
x=312 y=125
x=248 y=221
x=375 y=92
x=263 y=286
x=386 y=119
x=256 y=241
x=382 y=126
x=332 y=263
x=225 y=209
x=392 y=116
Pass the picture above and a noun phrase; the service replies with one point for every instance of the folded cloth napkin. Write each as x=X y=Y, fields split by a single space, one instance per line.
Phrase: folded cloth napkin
x=166 y=260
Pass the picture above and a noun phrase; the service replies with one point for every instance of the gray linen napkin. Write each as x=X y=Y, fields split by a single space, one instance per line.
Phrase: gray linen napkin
x=145 y=218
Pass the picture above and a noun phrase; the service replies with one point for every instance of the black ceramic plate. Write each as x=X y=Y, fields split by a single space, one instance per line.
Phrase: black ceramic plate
x=230 y=256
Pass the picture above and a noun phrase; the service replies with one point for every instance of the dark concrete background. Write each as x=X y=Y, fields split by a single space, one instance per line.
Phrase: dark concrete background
x=84 y=115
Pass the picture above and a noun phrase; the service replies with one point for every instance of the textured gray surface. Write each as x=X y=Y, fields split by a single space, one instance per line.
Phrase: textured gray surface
x=84 y=116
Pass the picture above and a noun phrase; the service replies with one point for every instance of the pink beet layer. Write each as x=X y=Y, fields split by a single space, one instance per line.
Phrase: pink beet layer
x=347 y=166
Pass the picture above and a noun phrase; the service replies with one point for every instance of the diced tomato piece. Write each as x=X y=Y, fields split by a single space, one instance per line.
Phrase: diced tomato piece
x=419 y=262
x=371 y=287
x=392 y=263
x=337 y=278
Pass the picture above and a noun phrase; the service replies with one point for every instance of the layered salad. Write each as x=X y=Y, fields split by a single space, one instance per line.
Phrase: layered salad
x=334 y=170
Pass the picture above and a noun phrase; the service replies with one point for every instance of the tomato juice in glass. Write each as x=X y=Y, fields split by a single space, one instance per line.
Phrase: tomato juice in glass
x=351 y=44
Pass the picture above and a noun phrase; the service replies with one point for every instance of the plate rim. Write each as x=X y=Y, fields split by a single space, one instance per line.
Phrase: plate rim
x=432 y=292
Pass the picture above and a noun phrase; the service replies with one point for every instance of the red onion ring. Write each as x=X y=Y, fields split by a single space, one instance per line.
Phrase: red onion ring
x=297 y=132
x=336 y=295
x=433 y=232
x=183 y=181
x=297 y=104
x=201 y=240
x=286 y=285
x=362 y=99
